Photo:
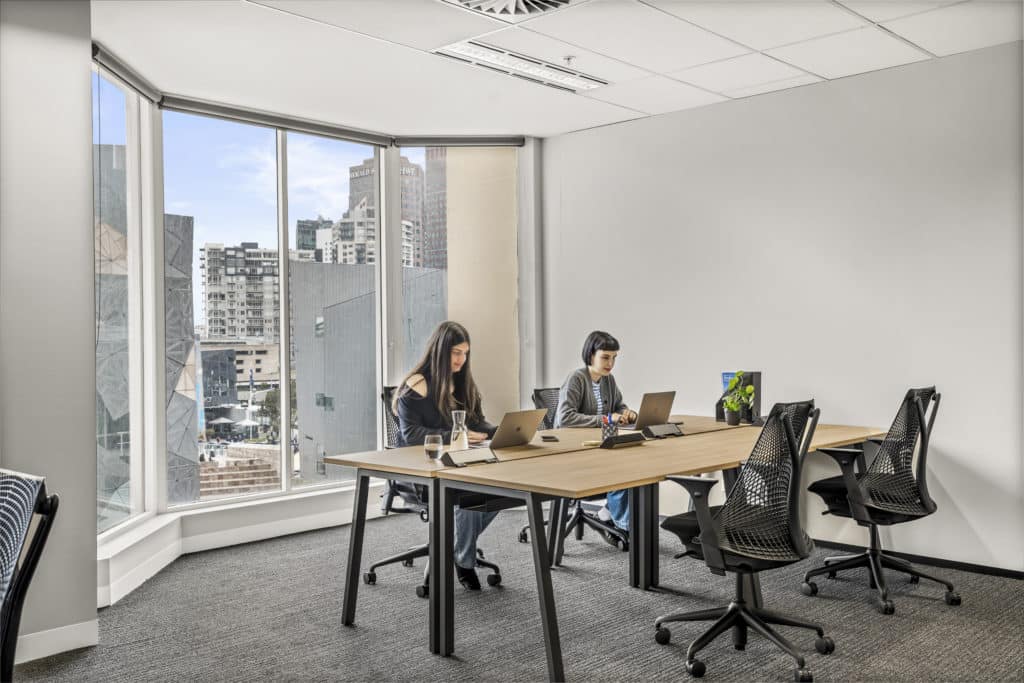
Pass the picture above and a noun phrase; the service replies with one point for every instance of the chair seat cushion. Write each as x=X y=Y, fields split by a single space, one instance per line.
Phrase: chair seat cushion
x=687 y=528
x=833 y=492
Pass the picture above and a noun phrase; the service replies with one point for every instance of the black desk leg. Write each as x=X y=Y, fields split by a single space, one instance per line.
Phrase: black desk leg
x=445 y=570
x=643 y=537
x=355 y=550
x=434 y=591
x=554 y=521
x=548 y=617
x=560 y=541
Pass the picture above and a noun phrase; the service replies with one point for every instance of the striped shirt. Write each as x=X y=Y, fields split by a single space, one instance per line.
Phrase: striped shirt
x=596 y=386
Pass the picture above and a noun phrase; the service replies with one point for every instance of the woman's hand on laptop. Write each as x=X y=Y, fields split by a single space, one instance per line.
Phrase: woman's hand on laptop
x=477 y=437
x=629 y=416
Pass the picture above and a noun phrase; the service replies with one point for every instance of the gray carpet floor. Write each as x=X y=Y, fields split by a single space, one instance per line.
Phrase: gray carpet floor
x=271 y=611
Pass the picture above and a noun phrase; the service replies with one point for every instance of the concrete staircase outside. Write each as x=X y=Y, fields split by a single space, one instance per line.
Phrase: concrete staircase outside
x=236 y=478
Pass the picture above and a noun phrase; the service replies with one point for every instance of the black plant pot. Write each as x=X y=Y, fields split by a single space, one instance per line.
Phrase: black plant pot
x=732 y=417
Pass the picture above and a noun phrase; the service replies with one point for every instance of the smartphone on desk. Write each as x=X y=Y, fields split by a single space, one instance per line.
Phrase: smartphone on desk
x=548 y=437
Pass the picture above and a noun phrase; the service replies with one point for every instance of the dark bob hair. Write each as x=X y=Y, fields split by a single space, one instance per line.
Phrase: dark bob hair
x=598 y=341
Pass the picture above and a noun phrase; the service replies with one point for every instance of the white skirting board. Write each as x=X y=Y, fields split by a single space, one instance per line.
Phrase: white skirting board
x=56 y=640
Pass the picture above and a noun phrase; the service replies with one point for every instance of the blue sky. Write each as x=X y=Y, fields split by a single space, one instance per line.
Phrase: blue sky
x=223 y=174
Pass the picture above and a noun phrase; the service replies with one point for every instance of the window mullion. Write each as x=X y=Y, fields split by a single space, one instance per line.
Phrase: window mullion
x=284 y=308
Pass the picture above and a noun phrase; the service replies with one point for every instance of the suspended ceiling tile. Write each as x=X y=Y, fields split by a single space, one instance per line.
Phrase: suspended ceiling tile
x=959 y=28
x=636 y=34
x=738 y=72
x=554 y=51
x=762 y=88
x=766 y=24
x=423 y=24
x=654 y=95
x=883 y=10
x=845 y=54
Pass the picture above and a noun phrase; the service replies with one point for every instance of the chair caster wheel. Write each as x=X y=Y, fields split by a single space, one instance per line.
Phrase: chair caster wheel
x=809 y=588
x=524 y=537
x=915 y=579
x=662 y=636
x=695 y=668
x=886 y=607
x=623 y=546
x=369 y=578
x=407 y=563
x=422 y=591
x=831 y=575
x=825 y=645
x=803 y=676
x=952 y=598
x=494 y=579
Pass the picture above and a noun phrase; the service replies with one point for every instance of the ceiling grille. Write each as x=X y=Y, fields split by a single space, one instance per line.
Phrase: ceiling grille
x=513 y=8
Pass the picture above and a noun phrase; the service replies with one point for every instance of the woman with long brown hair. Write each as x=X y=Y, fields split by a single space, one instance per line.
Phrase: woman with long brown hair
x=440 y=383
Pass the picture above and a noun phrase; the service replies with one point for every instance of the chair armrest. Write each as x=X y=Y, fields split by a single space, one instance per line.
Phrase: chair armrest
x=847 y=459
x=699 y=489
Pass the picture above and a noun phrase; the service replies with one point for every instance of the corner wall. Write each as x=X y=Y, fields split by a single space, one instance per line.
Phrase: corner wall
x=47 y=319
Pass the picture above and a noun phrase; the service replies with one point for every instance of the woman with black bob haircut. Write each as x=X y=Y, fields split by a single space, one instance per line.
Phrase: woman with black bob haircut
x=440 y=383
x=589 y=394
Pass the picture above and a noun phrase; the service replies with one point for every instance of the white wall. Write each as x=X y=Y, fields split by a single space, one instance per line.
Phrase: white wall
x=47 y=354
x=850 y=239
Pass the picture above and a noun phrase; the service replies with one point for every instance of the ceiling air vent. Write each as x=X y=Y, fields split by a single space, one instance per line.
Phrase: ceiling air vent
x=513 y=8
x=521 y=66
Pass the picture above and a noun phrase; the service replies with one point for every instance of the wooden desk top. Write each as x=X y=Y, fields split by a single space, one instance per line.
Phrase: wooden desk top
x=585 y=473
x=581 y=471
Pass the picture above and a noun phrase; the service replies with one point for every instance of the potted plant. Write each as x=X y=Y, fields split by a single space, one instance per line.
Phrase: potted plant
x=737 y=398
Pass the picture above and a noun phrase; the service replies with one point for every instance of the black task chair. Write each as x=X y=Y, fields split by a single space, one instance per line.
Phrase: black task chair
x=757 y=529
x=548 y=399
x=889 y=491
x=21 y=496
x=415 y=499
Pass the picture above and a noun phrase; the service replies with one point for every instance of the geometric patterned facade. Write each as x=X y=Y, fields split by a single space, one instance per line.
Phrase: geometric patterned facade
x=180 y=366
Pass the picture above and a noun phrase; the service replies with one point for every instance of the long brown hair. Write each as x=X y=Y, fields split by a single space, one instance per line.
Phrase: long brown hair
x=444 y=386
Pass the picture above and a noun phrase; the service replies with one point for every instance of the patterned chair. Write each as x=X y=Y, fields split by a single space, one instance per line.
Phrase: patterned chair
x=21 y=496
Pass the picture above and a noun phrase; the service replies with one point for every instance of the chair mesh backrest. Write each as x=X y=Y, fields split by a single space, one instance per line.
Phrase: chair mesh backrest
x=18 y=495
x=756 y=518
x=890 y=483
x=390 y=421
x=547 y=399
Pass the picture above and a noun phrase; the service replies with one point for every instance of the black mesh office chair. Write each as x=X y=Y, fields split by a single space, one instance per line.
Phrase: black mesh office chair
x=889 y=491
x=414 y=497
x=547 y=398
x=757 y=529
x=21 y=496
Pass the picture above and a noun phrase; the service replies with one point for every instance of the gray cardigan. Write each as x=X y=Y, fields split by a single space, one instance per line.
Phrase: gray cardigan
x=576 y=404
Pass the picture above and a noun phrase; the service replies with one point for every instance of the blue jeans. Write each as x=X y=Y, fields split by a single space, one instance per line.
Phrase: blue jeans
x=617 y=503
x=468 y=527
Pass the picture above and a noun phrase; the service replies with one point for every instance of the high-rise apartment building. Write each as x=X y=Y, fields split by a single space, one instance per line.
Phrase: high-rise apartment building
x=240 y=287
x=362 y=197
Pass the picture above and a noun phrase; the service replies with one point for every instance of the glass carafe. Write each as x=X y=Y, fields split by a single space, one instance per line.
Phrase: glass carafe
x=460 y=434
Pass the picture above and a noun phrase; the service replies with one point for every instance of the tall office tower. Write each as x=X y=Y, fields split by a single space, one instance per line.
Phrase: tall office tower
x=240 y=287
x=435 y=209
x=362 y=185
x=305 y=231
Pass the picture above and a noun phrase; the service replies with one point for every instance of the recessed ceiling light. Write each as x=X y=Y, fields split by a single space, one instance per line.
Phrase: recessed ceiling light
x=519 y=65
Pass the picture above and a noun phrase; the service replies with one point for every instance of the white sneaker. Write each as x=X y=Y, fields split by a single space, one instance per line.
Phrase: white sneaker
x=604 y=515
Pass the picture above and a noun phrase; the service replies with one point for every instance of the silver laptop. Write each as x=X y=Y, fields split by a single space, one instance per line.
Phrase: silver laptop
x=516 y=429
x=654 y=410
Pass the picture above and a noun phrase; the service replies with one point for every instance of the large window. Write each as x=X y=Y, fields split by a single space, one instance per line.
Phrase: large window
x=222 y=308
x=115 y=309
x=334 y=259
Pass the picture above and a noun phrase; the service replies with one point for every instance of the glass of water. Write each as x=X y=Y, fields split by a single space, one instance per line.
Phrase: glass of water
x=432 y=446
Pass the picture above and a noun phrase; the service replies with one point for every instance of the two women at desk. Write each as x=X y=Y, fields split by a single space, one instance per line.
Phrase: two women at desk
x=442 y=381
